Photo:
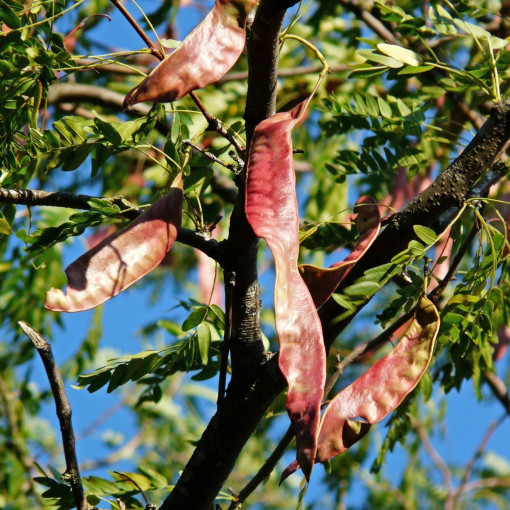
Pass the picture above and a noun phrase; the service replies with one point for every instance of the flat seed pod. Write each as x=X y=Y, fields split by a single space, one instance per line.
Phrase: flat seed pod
x=205 y=55
x=380 y=390
x=271 y=209
x=322 y=282
x=122 y=258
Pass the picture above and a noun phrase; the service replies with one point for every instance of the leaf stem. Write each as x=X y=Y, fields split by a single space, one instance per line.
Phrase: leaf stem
x=158 y=53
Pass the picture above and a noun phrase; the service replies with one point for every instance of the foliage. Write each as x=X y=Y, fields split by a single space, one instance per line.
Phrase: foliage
x=408 y=85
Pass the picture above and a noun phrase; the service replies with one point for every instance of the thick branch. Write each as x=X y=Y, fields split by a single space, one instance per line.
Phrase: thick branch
x=63 y=412
x=81 y=93
x=435 y=208
x=263 y=45
x=255 y=382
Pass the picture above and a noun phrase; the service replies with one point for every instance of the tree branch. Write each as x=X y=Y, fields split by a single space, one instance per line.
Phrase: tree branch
x=200 y=240
x=256 y=380
x=435 y=208
x=64 y=412
x=157 y=52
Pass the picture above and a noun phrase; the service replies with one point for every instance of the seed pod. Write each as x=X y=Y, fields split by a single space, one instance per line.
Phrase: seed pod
x=271 y=209
x=205 y=55
x=122 y=258
x=380 y=390
x=322 y=282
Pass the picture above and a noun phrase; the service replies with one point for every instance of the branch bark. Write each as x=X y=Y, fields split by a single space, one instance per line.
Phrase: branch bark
x=200 y=240
x=255 y=379
x=435 y=208
x=63 y=408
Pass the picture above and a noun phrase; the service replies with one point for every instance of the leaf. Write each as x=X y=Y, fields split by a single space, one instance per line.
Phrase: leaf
x=204 y=342
x=380 y=59
x=322 y=282
x=122 y=258
x=204 y=56
x=195 y=318
x=427 y=235
x=5 y=228
x=403 y=55
x=271 y=210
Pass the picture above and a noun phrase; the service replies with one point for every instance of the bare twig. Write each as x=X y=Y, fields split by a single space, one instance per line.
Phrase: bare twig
x=212 y=157
x=264 y=471
x=499 y=389
x=487 y=483
x=479 y=452
x=371 y=21
x=214 y=124
x=72 y=472
x=148 y=505
x=157 y=52
x=437 y=459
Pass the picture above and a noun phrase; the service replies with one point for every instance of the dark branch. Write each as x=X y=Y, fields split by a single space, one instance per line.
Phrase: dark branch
x=63 y=408
x=157 y=52
x=200 y=240
x=255 y=381
x=435 y=208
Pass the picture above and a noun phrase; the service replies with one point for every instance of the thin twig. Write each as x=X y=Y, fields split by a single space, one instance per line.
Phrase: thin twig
x=158 y=53
x=437 y=459
x=214 y=124
x=478 y=453
x=148 y=505
x=499 y=389
x=264 y=471
x=212 y=157
x=72 y=472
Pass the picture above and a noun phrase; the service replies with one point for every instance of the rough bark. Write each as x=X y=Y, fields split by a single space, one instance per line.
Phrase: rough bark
x=255 y=381
x=435 y=208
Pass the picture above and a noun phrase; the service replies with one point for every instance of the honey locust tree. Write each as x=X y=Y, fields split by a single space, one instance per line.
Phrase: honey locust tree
x=348 y=155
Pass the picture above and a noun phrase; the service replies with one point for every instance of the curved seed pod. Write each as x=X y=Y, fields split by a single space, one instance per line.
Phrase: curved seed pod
x=379 y=391
x=271 y=209
x=205 y=55
x=122 y=258
x=323 y=282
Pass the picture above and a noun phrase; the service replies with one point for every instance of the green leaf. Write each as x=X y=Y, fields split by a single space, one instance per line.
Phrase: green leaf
x=427 y=235
x=362 y=288
x=5 y=228
x=380 y=59
x=402 y=55
x=194 y=319
x=204 y=341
